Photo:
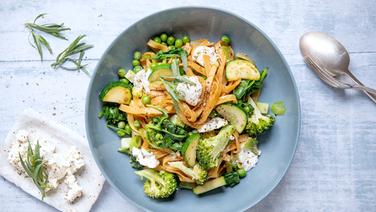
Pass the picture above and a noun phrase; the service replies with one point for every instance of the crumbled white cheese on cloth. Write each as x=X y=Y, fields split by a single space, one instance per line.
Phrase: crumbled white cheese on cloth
x=74 y=178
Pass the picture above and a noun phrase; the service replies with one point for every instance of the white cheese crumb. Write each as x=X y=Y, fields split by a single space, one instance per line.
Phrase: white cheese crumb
x=75 y=190
x=145 y=158
x=189 y=92
x=247 y=158
x=200 y=51
x=141 y=80
x=213 y=124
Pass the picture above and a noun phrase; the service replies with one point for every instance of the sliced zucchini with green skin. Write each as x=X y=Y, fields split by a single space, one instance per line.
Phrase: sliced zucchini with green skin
x=210 y=185
x=160 y=70
x=244 y=57
x=241 y=69
x=263 y=107
x=116 y=92
x=234 y=114
x=189 y=149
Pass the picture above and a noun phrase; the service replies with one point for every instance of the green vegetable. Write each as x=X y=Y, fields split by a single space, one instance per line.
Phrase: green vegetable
x=126 y=81
x=146 y=99
x=137 y=69
x=158 y=185
x=158 y=40
x=162 y=133
x=127 y=129
x=128 y=143
x=242 y=173
x=258 y=123
x=241 y=69
x=137 y=124
x=197 y=173
x=120 y=132
x=176 y=120
x=121 y=73
x=137 y=55
x=116 y=92
x=263 y=107
x=178 y=43
x=170 y=40
x=278 y=108
x=251 y=144
x=226 y=40
x=186 y=39
x=234 y=114
x=160 y=69
x=227 y=50
x=186 y=185
x=112 y=114
x=230 y=179
x=210 y=149
x=244 y=57
x=134 y=163
x=189 y=149
x=164 y=37
x=51 y=29
x=247 y=87
x=135 y=62
x=171 y=53
x=121 y=125
x=35 y=168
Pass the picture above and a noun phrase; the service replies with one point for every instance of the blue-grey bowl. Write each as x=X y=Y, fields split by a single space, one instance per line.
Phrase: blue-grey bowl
x=277 y=146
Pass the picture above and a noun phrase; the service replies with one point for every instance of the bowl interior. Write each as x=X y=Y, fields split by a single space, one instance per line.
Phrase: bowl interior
x=277 y=146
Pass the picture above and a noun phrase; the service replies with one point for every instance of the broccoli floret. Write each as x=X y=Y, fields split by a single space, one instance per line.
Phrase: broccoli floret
x=230 y=179
x=197 y=173
x=258 y=123
x=158 y=185
x=209 y=149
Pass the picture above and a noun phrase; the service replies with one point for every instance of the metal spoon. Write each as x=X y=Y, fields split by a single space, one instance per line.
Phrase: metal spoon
x=332 y=57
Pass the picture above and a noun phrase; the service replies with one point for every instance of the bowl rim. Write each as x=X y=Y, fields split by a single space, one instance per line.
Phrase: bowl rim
x=297 y=135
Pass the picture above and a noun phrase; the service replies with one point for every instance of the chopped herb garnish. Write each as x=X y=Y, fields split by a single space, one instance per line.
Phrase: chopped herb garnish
x=35 y=168
x=51 y=29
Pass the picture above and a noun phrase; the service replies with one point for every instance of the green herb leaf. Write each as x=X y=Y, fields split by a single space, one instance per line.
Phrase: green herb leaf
x=67 y=55
x=35 y=168
x=278 y=108
x=51 y=29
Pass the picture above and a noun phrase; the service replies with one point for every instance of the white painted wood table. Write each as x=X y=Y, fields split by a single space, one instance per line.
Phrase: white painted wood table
x=335 y=164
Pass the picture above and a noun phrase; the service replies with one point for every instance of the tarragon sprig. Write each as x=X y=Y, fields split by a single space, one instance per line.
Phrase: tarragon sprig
x=67 y=55
x=51 y=29
x=35 y=168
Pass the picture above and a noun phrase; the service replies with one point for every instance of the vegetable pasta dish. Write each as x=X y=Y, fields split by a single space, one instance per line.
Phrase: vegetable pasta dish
x=188 y=114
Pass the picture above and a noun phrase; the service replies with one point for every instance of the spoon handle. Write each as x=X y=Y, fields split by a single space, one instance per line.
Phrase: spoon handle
x=369 y=94
x=365 y=89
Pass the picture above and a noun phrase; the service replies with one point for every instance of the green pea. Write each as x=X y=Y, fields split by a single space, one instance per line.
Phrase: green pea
x=120 y=133
x=121 y=72
x=137 y=69
x=178 y=43
x=159 y=136
x=164 y=37
x=128 y=129
x=146 y=99
x=158 y=40
x=247 y=109
x=121 y=125
x=186 y=39
x=125 y=80
x=242 y=172
x=153 y=65
x=135 y=62
x=171 y=40
x=225 y=39
x=137 y=124
x=137 y=55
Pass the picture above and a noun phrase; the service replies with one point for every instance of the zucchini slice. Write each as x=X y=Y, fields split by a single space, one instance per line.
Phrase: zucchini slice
x=210 y=185
x=189 y=149
x=234 y=114
x=241 y=69
x=116 y=92
x=160 y=70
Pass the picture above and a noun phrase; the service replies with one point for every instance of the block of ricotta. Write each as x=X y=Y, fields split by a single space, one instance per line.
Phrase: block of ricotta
x=74 y=179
